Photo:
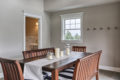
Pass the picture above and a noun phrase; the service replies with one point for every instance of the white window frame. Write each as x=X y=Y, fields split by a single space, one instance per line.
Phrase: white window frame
x=70 y=16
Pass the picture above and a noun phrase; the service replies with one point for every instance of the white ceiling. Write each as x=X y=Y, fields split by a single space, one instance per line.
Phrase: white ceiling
x=56 y=5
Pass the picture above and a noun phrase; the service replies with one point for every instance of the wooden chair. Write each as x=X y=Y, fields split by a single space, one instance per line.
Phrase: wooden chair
x=11 y=69
x=71 y=69
x=79 y=48
x=37 y=53
x=84 y=69
x=87 y=67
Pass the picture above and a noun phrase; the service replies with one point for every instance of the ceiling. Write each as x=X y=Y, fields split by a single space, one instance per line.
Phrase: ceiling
x=57 y=5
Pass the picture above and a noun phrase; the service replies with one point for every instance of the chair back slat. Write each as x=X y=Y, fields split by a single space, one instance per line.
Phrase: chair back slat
x=11 y=69
x=37 y=53
x=87 y=67
x=79 y=48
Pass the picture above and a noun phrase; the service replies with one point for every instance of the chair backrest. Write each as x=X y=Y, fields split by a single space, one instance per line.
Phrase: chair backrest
x=87 y=67
x=11 y=69
x=79 y=48
x=37 y=53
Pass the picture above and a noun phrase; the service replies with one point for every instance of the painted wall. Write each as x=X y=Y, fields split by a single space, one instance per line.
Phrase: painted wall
x=103 y=16
x=12 y=25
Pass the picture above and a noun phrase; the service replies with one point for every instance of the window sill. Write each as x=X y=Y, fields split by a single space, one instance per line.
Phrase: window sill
x=72 y=41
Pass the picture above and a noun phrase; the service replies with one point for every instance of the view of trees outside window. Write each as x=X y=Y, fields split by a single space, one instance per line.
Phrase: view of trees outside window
x=69 y=36
x=72 y=29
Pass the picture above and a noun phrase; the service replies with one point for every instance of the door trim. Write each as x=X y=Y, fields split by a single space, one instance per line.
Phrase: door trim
x=39 y=29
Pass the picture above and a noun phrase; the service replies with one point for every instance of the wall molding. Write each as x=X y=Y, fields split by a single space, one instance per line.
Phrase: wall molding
x=109 y=68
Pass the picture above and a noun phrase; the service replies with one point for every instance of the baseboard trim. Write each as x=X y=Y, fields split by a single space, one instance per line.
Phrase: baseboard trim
x=109 y=68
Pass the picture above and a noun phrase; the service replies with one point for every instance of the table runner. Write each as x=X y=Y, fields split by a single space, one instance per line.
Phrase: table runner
x=33 y=69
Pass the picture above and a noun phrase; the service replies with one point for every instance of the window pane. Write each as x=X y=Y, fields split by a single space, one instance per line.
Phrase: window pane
x=72 y=34
x=67 y=21
x=72 y=21
x=77 y=20
x=67 y=26
x=78 y=26
x=72 y=26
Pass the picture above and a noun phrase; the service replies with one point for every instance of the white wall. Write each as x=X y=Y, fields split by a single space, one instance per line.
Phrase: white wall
x=12 y=25
x=106 y=40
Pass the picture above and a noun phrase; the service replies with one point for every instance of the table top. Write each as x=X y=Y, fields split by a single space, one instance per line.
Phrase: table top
x=60 y=65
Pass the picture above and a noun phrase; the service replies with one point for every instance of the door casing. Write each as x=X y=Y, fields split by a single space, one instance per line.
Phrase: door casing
x=39 y=29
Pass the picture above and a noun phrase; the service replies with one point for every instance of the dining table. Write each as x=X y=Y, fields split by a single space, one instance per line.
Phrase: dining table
x=54 y=66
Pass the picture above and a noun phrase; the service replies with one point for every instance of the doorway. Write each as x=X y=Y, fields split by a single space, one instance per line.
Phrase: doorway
x=32 y=32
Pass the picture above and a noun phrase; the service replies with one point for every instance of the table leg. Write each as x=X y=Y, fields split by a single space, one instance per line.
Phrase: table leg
x=55 y=74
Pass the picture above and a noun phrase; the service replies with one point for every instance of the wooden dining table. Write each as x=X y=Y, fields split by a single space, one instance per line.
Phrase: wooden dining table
x=58 y=66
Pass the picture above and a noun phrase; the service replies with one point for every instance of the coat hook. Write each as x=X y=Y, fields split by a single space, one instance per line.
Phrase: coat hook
x=101 y=28
x=88 y=29
x=116 y=27
x=108 y=28
x=94 y=28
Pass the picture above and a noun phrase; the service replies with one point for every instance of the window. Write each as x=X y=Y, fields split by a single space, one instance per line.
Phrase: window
x=72 y=27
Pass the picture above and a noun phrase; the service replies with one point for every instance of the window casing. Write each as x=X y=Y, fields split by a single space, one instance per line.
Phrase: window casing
x=72 y=29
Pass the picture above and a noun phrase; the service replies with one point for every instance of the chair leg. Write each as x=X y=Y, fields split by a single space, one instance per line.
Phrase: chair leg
x=97 y=76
